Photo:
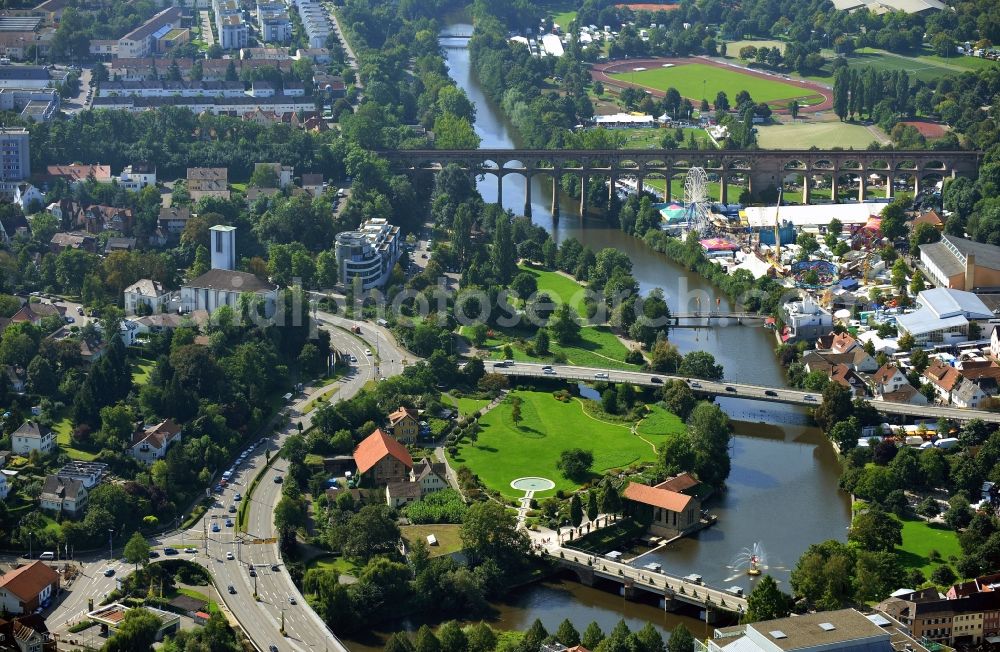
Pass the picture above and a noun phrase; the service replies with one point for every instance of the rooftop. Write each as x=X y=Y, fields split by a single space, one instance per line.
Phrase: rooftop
x=231 y=280
x=375 y=447
x=28 y=581
x=814 y=630
x=656 y=497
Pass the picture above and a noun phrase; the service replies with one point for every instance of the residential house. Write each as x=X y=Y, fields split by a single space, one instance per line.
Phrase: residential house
x=34 y=312
x=857 y=359
x=26 y=633
x=120 y=244
x=963 y=620
x=987 y=376
x=888 y=379
x=844 y=375
x=99 y=218
x=404 y=425
x=668 y=512
x=75 y=174
x=906 y=394
x=431 y=476
x=313 y=184
x=32 y=436
x=13 y=224
x=381 y=459
x=67 y=211
x=168 y=321
x=208 y=182
x=995 y=344
x=63 y=496
x=968 y=395
x=27 y=588
x=137 y=176
x=26 y=194
x=151 y=444
x=944 y=378
x=401 y=493
x=73 y=240
x=843 y=343
x=145 y=292
x=283 y=173
x=173 y=219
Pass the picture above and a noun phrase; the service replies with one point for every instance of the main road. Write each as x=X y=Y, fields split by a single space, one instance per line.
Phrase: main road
x=733 y=389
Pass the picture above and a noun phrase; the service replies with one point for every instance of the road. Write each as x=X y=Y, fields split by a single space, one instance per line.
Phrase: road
x=740 y=390
x=261 y=619
x=352 y=60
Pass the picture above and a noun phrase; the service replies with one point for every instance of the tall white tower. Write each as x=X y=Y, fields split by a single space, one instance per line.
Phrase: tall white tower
x=223 y=243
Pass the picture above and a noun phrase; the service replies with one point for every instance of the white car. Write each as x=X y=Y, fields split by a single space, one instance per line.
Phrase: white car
x=230 y=556
x=368 y=351
x=600 y=376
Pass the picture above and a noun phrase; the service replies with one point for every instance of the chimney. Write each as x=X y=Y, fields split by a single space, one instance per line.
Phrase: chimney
x=970 y=271
x=223 y=246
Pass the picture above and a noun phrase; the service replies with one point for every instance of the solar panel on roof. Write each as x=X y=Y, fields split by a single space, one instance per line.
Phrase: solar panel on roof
x=777 y=634
x=827 y=627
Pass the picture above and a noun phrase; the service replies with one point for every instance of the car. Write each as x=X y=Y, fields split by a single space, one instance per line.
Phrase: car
x=253 y=573
x=770 y=392
x=238 y=497
x=69 y=320
x=272 y=648
x=368 y=351
x=291 y=600
x=229 y=523
x=730 y=388
x=549 y=371
x=278 y=479
x=108 y=572
x=656 y=380
x=274 y=567
x=218 y=488
x=232 y=589
x=499 y=365
x=353 y=359
x=230 y=556
x=232 y=509
x=423 y=255
x=191 y=551
x=153 y=554
x=79 y=310
x=600 y=376
x=170 y=551
x=809 y=397
x=215 y=527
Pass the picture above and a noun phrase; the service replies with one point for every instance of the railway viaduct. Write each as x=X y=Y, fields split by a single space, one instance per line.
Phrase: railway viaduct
x=761 y=169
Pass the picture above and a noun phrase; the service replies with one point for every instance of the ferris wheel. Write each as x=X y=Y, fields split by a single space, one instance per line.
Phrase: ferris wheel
x=696 y=199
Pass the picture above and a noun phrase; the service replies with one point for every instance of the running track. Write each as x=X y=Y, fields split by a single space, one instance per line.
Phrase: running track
x=600 y=72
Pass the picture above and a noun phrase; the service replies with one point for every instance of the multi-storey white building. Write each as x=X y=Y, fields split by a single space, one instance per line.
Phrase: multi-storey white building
x=368 y=254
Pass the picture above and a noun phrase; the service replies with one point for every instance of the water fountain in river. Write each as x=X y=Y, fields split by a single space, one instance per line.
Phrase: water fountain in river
x=752 y=558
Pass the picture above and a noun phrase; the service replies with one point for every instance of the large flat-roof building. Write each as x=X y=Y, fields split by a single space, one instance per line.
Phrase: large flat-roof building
x=943 y=317
x=961 y=264
x=233 y=33
x=367 y=254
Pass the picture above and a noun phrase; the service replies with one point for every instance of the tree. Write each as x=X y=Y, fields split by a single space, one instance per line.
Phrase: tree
x=564 y=325
x=873 y=529
x=943 y=576
x=846 y=434
x=137 y=550
x=592 y=636
x=836 y=406
x=958 y=514
x=893 y=223
x=489 y=533
x=793 y=109
x=592 y=508
x=426 y=640
x=370 y=532
x=452 y=637
x=710 y=433
x=567 y=634
x=515 y=409
x=767 y=602
x=136 y=632
x=700 y=364
x=681 y=639
x=542 y=342
x=575 y=510
x=575 y=463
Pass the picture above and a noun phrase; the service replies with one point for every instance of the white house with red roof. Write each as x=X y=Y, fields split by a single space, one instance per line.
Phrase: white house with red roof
x=151 y=444
x=24 y=589
x=671 y=508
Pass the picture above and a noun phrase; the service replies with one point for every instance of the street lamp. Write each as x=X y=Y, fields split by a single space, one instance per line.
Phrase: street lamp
x=111 y=549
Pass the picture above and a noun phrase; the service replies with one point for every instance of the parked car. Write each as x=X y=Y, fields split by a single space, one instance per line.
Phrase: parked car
x=170 y=551
x=108 y=572
x=215 y=527
x=232 y=589
x=291 y=600
x=770 y=392
x=230 y=556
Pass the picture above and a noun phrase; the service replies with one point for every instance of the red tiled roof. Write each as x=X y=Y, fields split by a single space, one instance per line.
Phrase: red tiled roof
x=885 y=373
x=664 y=498
x=679 y=483
x=943 y=375
x=401 y=414
x=157 y=436
x=375 y=447
x=842 y=343
x=28 y=581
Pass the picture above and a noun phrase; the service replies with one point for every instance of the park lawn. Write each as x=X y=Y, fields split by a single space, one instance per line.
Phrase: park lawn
x=340 y=565
x=448 y=537
x=63 y=428
x=697 y=80
x=466 y=406
x=141 y=369
x=919 y=68
x=316 y=402
x=561 y=288
x=658 y=423
x=563 y=19
x=919 y=538
x=504 y=451
x=969 y=63
x=652 y=137
x=804 y=134
x=733 y=47
x=598 y=347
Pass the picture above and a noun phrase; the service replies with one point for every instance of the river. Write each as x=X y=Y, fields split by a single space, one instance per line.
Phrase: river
x=782 y=491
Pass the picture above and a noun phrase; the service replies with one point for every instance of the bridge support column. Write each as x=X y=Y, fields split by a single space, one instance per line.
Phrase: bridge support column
x=861 y=186
x=888 y=186
x=628 y=590
x=639 y=180
x=527 y=195
x=556 y=175
x=711 y=616
x=833 y=187
x=612 y=182
x=805 y=188
x=583 y=194
x=916 y=184
x=723 y=189
x=666 y=187
x=499 y=190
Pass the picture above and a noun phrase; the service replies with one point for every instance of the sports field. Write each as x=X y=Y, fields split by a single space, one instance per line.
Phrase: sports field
x=698 y=80
x=804 y=135
x=505 y=451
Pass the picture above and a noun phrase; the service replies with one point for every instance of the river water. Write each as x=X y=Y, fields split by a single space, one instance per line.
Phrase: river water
x=782 y=492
